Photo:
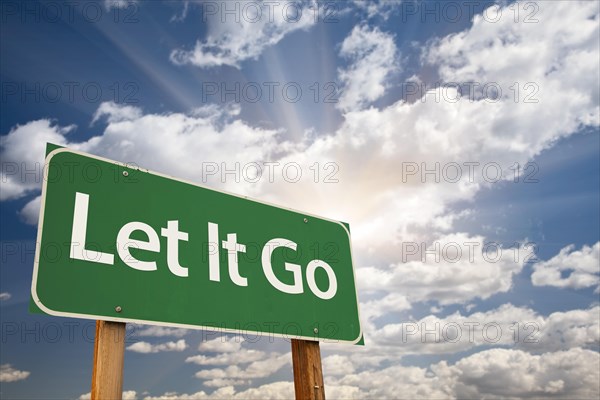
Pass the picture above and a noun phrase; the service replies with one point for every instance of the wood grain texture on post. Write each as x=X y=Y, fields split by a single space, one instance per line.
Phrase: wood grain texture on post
x=308 y=372
x=109 y=349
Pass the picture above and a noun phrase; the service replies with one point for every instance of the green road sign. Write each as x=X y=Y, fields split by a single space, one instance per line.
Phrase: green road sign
x=124 y=244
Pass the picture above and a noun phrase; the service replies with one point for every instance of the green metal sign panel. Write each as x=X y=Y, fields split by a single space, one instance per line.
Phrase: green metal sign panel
x=125 y=244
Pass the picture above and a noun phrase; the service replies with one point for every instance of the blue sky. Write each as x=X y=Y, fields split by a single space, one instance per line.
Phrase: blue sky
x=368 y=89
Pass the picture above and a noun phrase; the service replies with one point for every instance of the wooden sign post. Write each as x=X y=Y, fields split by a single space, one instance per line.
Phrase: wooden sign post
x=109 y=350
x=308 y=372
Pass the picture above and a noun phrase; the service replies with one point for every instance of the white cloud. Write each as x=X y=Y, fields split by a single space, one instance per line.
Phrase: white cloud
x=506 y=52
x=126 y=395
x=4 y=296
x=392 y=302
x=500 y=373
x=505 y=326
x=373 y=59
x=224 y=382
x=116 y=113
x=158 y=331
x=131 y=136
x=9 y=374
x=389 y=382
x=129 y=395
x=31 y=212
x=337 y=365
x=454 y=269
x=374 y=8
x=145 y=347
x=255 y=370
x=241 y=356
x=564 y=330
x=493 y=374
x=583 y=267
x=222 y=344
x=270 y=391
x=108 y=4
x=436 y=310
x=259 y=26
x=22 y=153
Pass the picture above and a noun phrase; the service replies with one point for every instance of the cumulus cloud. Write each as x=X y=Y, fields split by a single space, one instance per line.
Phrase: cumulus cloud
x=254 y=370
x=9 y=374
x=399 y=200
x=388 y=382
x=375 y=8
x=127 y=395
x=31 y=212
x=454 y=269
x=231 y=354
x=22 y=153
x=337 y=365
x=158 y=331
x=506 y=52
x=392 y=302
x=242 y=356
x=507 y=325
x=224 y=382
x=494 y=373
x=270 y=391
x=116 y=113
x=501 y=373
x=582 y=268
x=223 y=344
x=373 y=59
x=563 y=330
x=255 y=27
x=187 y=136
x=145 y=347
